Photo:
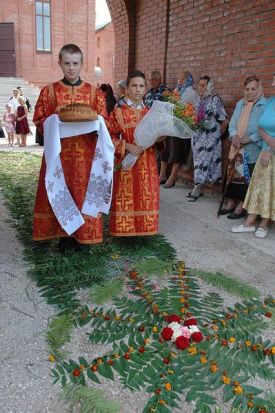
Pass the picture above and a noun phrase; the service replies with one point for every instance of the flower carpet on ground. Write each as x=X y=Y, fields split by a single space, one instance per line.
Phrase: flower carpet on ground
x=175 y=340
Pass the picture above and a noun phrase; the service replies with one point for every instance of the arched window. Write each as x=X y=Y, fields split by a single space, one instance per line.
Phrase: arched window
x=43 y=25
x=98 y=62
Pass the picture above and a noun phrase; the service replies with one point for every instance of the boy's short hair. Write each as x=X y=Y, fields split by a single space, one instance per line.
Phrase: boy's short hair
x=135 y=73
x=70 y=48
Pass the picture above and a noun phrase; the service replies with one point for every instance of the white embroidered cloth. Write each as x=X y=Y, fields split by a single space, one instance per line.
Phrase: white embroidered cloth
x=99 y=190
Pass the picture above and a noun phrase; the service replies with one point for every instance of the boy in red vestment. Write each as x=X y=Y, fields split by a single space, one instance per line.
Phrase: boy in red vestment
x=135 y=203
x=77 y=152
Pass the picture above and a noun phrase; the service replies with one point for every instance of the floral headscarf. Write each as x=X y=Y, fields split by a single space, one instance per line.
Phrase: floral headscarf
x=187 y=83
x=210 y=89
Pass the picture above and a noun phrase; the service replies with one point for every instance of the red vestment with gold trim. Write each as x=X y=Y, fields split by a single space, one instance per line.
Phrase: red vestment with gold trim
x=77 y=155
x=135 y=203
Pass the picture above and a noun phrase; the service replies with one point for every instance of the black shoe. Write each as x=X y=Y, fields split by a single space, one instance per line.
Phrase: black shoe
x=162 y=182
x=234 y=215
x=226 y=211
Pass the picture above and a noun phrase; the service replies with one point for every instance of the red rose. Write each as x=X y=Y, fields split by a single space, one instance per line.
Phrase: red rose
x=173 y=317
x=190 y=322
x=197 y=337
x=182 y=342
x=76 y=373
x=268 y=314
x=167 y=333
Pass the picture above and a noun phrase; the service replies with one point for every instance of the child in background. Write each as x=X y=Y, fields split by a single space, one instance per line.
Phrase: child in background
x=22 y=125
x=9 y=119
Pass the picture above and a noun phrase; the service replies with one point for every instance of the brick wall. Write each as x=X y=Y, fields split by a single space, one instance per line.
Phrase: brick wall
x=226 y=39
x=72 y=22
x=104 y=51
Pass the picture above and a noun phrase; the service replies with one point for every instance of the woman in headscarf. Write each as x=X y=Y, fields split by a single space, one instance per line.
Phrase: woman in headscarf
x=246 y=141
x=121 y=89
x=207 y=145
x=177 y=150
x=260 y=197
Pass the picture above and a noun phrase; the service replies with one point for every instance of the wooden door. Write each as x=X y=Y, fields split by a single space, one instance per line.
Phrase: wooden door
x=7 y=50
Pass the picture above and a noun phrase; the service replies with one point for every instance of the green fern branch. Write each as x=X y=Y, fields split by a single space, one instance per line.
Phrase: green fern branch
x=59 y=333
x=229 y=284
x=90 y=400
x=105 y=292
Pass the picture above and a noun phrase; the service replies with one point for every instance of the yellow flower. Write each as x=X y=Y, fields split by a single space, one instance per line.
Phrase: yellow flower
x=168 y=386
x=82 y=367
x=182 y=292
x=223 y=322
x=226 y=379
x=173 y=354
x=214 y=368
x=248 y=343
x=192 y=350
x=182 y=300
x=215 y=328
x=132 y=320
x=170 y=371
x=273 y=350
x=232 y=340
x=115 y=256
x=116 y=356
x=203 y=360
x=238 y=390
x=117 y=317
x=155 y=329
x=51 y=358
x=181 y=266
x=131 y=349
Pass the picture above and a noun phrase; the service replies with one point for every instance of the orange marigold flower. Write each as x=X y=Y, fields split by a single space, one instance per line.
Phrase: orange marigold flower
x=215 y=328
x=131 y=349
x=214 y=368
x=117 y=317
x=248 y=343
x=182 y=300
x=273 y=350
x=168 y=386
x=203 y=360
x=226 y=379
x=82 y=367
x=147 y=340
x=155 y=329
x=250 y=404
x=99 y=361
x=192 y=350
x=51 y=358
x=238 y=390
x=161 y=401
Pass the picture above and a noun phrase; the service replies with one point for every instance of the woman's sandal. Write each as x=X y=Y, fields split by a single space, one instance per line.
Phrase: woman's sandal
x=192 y=198
x=189 y=195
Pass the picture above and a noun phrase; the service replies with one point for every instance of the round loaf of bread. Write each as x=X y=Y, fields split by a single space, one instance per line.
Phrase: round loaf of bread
x=77 y=112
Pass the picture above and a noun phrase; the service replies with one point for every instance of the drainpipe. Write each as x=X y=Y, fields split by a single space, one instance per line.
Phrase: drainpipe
x=166 y=40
